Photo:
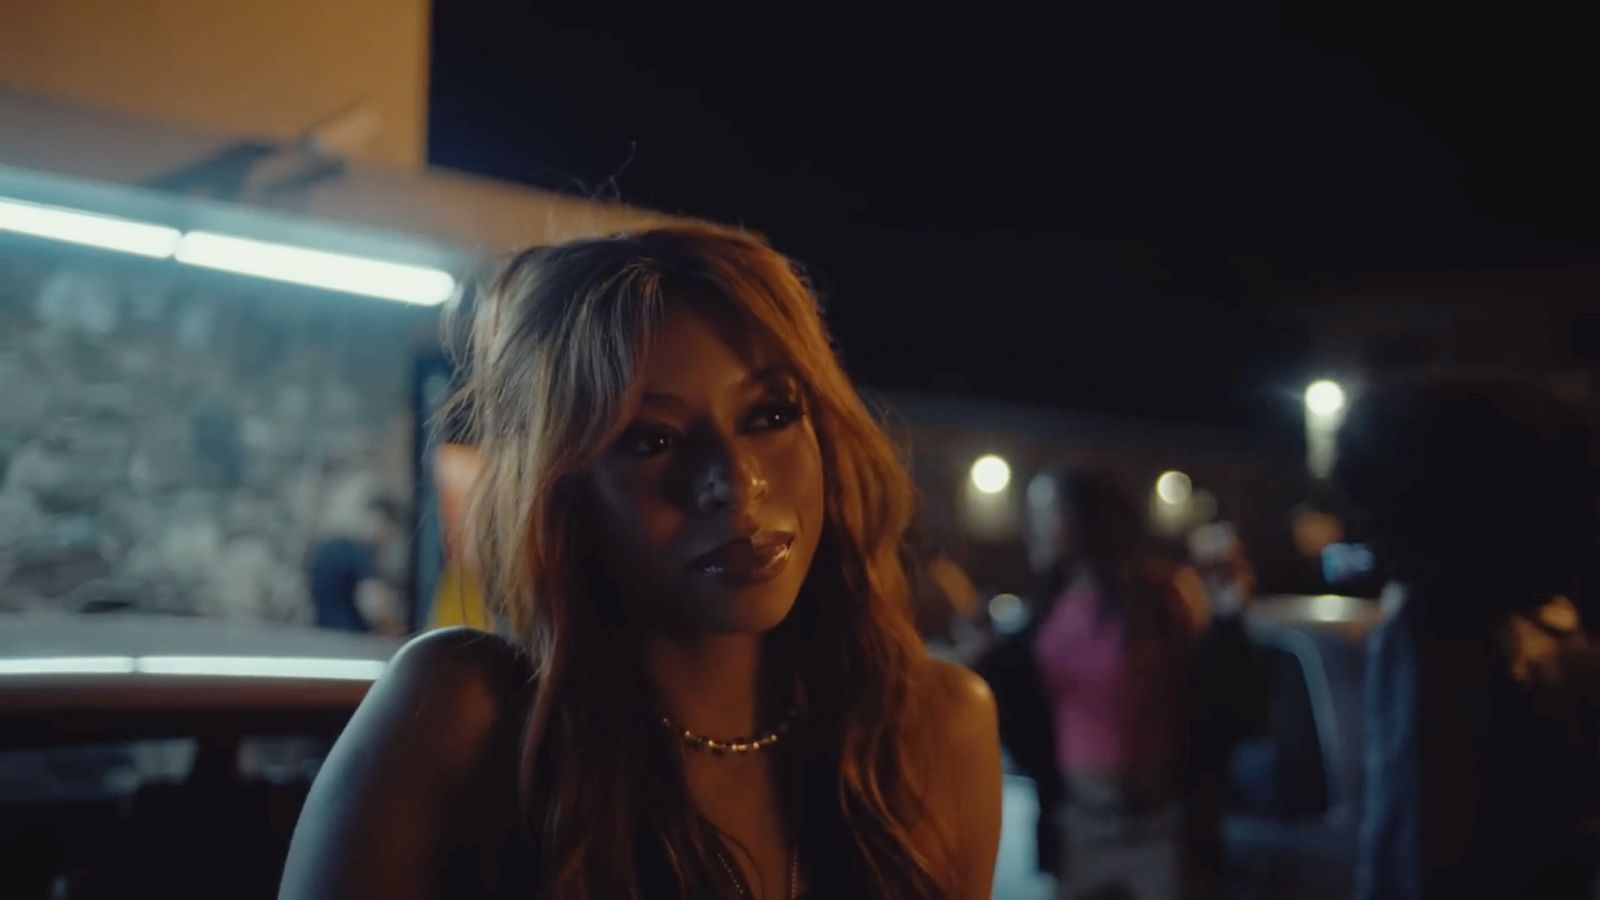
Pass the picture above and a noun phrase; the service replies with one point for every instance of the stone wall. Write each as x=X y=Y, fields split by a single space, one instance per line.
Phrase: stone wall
x=176 y=441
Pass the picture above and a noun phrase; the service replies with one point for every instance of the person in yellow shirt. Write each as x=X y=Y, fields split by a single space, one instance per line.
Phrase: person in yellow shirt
x=457 y=600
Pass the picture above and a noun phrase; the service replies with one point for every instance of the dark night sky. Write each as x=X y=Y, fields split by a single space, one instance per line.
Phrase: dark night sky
x=1103 y=209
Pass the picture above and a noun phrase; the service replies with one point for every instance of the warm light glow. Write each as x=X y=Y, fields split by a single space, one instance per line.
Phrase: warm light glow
x=214 y=666
x=88 y=229
x=991 y=474
x=420 y=285
x=1324 y=399
x=1174 y=488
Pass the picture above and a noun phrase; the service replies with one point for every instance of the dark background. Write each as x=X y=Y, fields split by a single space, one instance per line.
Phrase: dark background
x=1107 y=207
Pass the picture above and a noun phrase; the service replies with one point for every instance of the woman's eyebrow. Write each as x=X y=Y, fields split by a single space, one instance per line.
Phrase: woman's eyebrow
x=665 y=402
x=768 y=376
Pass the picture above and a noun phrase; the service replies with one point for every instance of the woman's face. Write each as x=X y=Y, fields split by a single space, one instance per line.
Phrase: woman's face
x=713 y=496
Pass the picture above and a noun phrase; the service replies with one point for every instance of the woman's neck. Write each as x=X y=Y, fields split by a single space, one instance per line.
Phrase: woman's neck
x=708 y=683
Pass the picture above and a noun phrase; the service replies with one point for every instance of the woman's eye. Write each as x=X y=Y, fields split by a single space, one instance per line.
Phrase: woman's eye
x=647 y=442
x=776 y=415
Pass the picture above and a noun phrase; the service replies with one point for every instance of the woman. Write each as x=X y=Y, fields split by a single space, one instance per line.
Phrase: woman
x=1110 y=650
x=710 y=685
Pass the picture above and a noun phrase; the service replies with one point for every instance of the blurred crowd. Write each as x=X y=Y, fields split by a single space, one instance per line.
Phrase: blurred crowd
x=1134 y=693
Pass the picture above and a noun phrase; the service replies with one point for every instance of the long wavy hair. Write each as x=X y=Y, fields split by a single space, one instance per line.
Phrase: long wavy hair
x=554 y=344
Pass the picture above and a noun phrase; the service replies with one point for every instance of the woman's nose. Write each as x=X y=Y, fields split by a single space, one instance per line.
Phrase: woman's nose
x=729 y=481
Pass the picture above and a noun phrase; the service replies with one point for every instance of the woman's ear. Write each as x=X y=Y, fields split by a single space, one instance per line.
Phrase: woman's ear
x=455 y=469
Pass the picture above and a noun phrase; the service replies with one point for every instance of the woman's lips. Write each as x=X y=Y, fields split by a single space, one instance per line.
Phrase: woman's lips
x=746 y=561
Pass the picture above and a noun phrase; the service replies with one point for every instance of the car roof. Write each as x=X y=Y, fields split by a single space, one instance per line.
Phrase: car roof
x=47 y=634
x=72 y=678
x=1350 y=616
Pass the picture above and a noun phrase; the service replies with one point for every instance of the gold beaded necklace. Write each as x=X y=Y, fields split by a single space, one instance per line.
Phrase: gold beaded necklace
x=762 y=741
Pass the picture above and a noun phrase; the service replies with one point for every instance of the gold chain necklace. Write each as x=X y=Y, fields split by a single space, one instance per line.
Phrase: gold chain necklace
x=794 y=872
x=762 y=741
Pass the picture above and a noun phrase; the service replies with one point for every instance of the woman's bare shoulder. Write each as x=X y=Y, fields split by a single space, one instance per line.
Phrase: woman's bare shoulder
x=428 y=753
x=953 y=699
x=959 y=743
x=464 y=663
x=450 y=688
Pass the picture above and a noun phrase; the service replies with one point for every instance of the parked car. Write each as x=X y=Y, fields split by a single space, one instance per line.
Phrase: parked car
x=150 y=756
x=1295 y=798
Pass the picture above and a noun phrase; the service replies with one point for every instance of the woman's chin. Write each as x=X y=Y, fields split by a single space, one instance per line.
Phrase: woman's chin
x=751 y=610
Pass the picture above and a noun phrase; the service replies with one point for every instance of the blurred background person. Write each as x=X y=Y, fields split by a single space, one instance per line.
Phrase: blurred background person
x=944 y=601
x=1481 y=758
x=1223 y=564
x=351 y=589
x=457 y=600
x=1289 y=549
x=1113 y=634
x=1313 y=528
x=1228 y=753
x=1027 y=730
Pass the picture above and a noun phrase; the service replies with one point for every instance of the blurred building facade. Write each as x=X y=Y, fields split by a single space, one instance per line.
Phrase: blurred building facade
x=175 y=439
x=255 y=68
x=175 y=442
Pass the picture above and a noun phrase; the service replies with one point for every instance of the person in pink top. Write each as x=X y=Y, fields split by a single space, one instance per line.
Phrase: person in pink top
x=1110 y=649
